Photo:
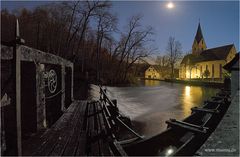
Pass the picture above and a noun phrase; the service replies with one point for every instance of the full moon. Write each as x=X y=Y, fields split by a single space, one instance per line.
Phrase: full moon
x=170 y=5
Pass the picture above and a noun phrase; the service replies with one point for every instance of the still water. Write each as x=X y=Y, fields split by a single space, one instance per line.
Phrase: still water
x=150 y=104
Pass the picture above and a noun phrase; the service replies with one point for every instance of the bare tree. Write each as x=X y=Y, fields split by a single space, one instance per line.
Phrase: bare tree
x=106 y=25
x=132 y=46
x=82 y=31
x=163 y=63
x=174 y=51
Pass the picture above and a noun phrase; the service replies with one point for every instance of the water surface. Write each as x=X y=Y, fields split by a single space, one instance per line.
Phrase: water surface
x=153 y=102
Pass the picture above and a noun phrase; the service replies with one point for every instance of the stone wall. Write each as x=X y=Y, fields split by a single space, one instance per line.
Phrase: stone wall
x=45 y=82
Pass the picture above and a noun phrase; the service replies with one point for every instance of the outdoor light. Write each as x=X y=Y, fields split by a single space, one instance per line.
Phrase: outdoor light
x=169 y=151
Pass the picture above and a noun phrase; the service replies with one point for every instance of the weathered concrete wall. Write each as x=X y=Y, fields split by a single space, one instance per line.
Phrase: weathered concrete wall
x=41 y=117
x=34 y=55
x=8 y=114
x=40 y=59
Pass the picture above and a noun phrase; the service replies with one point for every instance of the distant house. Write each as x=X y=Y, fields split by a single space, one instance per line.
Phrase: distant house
x=157 y=72
x=233 y=67
x=153 y=72
x=203 y=62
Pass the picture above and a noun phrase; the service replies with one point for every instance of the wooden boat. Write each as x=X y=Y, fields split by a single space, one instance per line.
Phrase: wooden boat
x=184 y=137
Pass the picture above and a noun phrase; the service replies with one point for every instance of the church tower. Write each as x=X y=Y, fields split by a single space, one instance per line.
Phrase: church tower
x=199 y=44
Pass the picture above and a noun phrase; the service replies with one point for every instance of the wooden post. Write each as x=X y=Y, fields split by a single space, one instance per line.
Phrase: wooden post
x=17 y=71
x=18 y=100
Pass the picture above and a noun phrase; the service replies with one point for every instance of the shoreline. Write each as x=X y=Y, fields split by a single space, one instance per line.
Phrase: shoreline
x=84 y=85
x=191 y=82
x=197 y=83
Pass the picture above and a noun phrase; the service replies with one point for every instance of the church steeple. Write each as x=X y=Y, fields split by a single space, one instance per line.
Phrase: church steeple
x=198 y=44
x=199 y=35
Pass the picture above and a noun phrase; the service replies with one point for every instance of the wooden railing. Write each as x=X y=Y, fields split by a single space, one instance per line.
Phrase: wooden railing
x=115 y=115
x=112 y=116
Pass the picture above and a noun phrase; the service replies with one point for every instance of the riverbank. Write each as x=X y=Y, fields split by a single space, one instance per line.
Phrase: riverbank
x=197 y=83
x=190 y=82
x=225 y=139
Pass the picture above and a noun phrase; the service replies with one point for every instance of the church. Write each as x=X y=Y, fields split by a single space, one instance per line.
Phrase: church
x=205 y=63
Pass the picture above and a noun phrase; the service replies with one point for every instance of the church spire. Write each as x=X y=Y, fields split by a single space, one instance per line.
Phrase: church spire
x=199 y=35
x=199 y=44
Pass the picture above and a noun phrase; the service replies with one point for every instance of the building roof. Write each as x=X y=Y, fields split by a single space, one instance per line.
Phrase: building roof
x=230 y=65
x=199 y=35
x=191 y=59
x=160 y=69
x=218 y=53
x=156 y=67
x=143 y=67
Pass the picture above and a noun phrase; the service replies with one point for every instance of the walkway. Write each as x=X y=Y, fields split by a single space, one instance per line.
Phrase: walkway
x=80 y=131
x=224 y=141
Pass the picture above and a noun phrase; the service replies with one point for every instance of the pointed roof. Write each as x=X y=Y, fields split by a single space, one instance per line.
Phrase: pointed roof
x=199 y=35
x=156 y=67
x=217 y=53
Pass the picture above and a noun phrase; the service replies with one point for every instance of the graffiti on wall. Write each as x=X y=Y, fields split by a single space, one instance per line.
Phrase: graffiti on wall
x=51 y=77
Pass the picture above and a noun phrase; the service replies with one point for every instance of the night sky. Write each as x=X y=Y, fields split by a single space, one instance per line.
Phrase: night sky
x=219 y=20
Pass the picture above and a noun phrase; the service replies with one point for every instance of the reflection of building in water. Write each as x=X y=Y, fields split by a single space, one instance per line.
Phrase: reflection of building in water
x=191 y=97
x=187 y=90
x=152 y=83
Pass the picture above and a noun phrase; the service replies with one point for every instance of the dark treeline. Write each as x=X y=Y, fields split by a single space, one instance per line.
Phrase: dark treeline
x=84 y=32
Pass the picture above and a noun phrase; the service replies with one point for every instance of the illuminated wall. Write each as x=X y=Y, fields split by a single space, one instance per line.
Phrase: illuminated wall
x=152 y=73
x=214 y=67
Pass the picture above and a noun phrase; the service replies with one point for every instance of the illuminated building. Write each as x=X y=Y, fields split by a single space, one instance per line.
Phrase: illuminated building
x=205 y=63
